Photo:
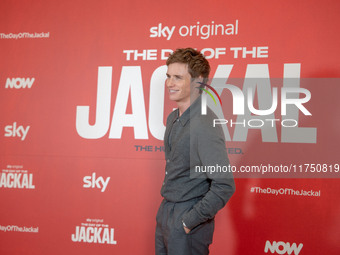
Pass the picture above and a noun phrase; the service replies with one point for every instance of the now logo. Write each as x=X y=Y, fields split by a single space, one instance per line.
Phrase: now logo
x=282 y=247
x=19 y=83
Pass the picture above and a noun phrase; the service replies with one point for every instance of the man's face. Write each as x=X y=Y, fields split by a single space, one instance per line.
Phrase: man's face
x=178 y=82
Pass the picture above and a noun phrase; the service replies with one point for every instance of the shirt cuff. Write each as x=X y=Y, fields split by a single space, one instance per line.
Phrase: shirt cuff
x=191 y=219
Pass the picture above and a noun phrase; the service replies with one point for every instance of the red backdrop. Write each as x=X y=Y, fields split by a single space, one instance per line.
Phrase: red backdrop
x=72 y=185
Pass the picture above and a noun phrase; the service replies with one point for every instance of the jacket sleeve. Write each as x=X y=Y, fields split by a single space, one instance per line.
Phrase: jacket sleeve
x=212 y=153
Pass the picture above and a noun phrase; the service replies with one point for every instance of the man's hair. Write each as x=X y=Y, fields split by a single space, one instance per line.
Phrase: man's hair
x=197 y=63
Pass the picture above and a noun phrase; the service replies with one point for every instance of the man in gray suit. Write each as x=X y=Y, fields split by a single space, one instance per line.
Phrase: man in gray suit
x=192 y=194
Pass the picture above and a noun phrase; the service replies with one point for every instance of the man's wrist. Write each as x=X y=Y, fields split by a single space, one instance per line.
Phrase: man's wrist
x=186 y=229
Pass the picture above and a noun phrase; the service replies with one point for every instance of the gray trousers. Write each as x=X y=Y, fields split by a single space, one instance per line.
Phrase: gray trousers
x=171 y=239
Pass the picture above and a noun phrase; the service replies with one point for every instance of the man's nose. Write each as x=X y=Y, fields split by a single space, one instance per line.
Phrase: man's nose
x=169 y=82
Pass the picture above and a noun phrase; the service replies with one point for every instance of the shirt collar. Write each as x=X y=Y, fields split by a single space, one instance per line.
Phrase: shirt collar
x=186 y=116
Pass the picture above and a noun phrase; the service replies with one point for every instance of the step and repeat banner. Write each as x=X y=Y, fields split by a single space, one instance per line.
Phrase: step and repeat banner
x=83 y=107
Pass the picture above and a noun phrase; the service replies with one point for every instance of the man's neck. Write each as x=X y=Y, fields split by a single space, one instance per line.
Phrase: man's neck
x=183 y=106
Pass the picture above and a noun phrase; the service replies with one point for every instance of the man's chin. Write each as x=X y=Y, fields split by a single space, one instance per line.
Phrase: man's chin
x=173 y=98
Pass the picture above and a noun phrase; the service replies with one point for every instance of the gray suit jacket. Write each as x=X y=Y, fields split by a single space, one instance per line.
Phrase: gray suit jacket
x=192 y=147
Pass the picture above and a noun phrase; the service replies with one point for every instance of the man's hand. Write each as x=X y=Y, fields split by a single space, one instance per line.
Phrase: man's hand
x=187 y=231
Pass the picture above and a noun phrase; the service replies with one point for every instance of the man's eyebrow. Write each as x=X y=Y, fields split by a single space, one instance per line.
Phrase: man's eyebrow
x=175 y=75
